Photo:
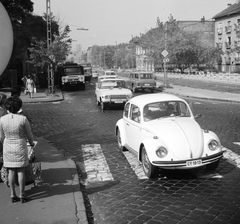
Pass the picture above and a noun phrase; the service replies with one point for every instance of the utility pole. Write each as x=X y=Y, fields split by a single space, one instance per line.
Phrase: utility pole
x=49 y=42
x=116 y=55
x=165 y=55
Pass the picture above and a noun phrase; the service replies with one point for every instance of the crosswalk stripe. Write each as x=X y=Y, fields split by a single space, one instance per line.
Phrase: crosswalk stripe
x=135 y=165
x=95 y=163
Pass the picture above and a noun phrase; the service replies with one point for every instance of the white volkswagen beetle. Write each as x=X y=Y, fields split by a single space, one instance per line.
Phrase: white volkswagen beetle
x=161 y=131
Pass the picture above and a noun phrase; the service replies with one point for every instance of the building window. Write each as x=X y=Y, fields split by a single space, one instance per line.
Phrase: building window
x=228 y=27
x=219 y=28
x=228 y=43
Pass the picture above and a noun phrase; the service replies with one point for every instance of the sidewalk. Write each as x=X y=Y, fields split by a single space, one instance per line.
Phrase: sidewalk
x=57 y=198
x=186 y=91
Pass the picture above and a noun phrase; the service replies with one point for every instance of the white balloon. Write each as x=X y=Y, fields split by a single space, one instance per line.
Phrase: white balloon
x=6 y=38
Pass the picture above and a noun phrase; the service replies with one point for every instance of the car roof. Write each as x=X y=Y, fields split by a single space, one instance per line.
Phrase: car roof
x=112 y=79
x=144 y=99
x=142 y=72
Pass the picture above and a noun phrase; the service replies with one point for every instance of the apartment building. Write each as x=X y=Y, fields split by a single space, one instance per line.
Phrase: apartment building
x=227 y=37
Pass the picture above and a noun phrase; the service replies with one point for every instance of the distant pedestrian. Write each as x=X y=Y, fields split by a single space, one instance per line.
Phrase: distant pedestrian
x=14 y=131
x=24 y=79
x=31 y=87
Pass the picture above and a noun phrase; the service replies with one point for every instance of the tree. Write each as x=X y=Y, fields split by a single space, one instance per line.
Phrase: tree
x=57 y=53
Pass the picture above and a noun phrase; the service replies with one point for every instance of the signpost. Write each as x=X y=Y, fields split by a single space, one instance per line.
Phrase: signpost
x=165 y=60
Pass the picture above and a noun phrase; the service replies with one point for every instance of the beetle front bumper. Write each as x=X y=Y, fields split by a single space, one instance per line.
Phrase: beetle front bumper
x=189 y=164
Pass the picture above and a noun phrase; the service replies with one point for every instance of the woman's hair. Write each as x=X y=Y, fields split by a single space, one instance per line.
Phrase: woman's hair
x=3 y=99
x=16 y=90
x=13 y=104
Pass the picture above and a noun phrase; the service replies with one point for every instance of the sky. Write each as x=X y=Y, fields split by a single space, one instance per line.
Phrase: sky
x=111 y=22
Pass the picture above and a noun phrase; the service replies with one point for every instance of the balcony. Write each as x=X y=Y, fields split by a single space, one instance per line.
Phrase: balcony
x=237 y=60
x=228 y=45
x=219 y=31
x=228 y=29
x=219 y=44
x=237 y=27
x=237 y=43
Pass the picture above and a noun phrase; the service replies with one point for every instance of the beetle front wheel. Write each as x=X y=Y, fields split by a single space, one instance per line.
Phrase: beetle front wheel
x=149 y=170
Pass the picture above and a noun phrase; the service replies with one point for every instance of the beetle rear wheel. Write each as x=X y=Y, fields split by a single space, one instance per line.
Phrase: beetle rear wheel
x=149 y=170
x=119 y=140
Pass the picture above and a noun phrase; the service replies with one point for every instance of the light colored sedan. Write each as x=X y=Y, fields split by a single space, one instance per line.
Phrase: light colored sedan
x=112 y=92
x=161 y=131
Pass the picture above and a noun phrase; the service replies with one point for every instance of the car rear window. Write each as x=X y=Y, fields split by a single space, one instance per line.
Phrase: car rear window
x=146 y=76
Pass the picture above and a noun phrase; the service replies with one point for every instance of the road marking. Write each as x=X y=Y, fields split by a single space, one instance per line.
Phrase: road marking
x=236 y=143
x=97 y=168
x=95 y=163
x=135 y=165
x=232 y=157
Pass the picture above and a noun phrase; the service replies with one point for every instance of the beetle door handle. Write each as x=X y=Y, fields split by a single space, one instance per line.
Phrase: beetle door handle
x=127 y=124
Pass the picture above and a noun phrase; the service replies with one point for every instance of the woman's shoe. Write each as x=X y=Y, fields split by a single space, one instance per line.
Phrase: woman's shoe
x=15 y=199
x=23 y=199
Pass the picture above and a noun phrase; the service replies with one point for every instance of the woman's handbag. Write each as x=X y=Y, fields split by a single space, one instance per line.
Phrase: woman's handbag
x=34 y=90
x=31 y=154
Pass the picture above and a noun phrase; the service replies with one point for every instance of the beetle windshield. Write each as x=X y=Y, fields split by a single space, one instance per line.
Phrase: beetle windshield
x=165 y=109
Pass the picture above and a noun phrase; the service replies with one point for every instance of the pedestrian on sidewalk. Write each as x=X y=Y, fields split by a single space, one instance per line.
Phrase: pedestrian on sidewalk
x=14 y=130
x=3 y=99
x=31 y=87
x=16 y=92
x=3 y=111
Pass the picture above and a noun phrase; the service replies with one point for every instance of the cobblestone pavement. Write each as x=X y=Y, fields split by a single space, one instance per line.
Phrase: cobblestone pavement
x=114 y=187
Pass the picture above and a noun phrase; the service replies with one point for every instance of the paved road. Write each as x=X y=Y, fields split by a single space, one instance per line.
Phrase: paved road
x=115 y=191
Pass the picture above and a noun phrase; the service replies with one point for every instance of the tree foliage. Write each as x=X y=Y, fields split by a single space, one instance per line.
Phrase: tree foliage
x=57 y=52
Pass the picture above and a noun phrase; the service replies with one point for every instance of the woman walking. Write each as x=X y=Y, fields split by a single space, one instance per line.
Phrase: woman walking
x=14 y=131
x=30 y=86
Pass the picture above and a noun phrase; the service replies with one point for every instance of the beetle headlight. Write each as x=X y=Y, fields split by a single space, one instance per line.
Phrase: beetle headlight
x=161 y=152
x=213 y=145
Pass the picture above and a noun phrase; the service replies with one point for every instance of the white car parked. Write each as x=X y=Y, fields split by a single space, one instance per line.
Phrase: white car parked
x=161 y=131
x=112 y=92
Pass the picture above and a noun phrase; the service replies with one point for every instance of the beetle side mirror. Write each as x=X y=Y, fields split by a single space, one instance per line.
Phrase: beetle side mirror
x=197 y=116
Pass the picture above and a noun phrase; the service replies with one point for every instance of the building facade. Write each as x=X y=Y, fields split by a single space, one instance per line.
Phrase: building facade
x=143 y=62
x=227 y=37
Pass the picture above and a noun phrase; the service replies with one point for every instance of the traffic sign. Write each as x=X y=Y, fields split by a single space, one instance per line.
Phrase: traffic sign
x=164 y=53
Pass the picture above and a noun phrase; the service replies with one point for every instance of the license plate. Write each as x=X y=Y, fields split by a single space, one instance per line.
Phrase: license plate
x=194 y=162
x=147 y=84
x=118 y=101
x=73 y=83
